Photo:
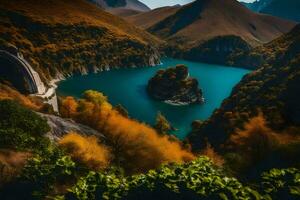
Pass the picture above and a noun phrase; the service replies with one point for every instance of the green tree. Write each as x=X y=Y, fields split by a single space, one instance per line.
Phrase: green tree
x=162 y=125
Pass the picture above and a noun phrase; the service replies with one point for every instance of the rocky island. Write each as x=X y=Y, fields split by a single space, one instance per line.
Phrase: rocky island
x=174 y=86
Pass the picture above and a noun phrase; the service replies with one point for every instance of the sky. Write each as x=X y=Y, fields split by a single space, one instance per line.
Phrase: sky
x=160 y=3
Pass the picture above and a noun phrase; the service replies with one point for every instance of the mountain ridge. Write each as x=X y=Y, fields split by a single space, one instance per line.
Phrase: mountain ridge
x=125 y=4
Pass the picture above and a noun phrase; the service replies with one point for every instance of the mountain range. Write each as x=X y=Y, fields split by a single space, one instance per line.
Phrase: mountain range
x=288 y=9
x=221 y=26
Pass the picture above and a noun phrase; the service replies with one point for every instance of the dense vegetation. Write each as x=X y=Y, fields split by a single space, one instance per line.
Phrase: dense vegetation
x=271 y=93
x=86 y=40
x=80 y=167
x=21 y=128
x=135 y=146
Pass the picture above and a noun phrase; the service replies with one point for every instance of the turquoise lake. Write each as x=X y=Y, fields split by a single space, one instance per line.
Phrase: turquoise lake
x=128 y=87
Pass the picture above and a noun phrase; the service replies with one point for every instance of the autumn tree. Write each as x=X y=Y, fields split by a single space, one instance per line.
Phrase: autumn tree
x=68 y=107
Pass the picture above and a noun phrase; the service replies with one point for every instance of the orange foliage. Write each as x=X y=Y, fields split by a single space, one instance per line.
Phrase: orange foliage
x=256 y=141
x=11 y=164
x=68 y=107
x=8 y=93
x=210 y=152
x=86 y=150
x=136 y=146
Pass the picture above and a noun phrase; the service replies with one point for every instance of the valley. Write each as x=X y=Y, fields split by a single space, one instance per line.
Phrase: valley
x=126 y=99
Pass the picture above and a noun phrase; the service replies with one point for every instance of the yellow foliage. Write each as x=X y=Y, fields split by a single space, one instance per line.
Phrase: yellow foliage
x=86 y=150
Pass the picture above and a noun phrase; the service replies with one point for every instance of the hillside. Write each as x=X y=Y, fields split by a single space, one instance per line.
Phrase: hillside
x=124 y=4
x=147 y=19
x=123 y=12
x=209 y=29
x=287 y=9
x=272 y=90
x=63 y=37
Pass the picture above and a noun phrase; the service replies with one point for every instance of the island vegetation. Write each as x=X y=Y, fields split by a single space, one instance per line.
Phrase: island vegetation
x=174 y=86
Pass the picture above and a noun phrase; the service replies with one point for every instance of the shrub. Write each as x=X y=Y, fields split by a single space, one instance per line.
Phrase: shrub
x=86 y=150
x=281 y=183
x=21 y=128
x=199 y=179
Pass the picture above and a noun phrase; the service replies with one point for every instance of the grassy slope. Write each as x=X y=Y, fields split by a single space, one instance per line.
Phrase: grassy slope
x=72 y=36
x=273 y=89
x=205 y=19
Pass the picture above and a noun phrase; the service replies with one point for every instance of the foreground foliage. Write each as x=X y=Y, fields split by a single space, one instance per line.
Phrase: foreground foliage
x=21 y=128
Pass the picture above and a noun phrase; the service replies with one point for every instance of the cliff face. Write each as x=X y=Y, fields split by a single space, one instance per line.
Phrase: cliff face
x=86 y=39
x=216 y=50
x=174 y=86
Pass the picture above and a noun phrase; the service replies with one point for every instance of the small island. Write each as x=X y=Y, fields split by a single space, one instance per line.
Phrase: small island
x=174 y=86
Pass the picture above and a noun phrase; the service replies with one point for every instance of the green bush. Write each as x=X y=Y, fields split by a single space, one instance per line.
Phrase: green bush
x=21 y=128
x=281 y=183
x=199 y=179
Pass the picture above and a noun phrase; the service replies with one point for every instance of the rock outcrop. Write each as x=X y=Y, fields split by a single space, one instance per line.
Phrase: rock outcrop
x=60 y=127
x=174 y=86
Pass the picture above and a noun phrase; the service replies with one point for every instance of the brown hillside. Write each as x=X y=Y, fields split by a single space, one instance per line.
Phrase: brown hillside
x=73 y=12
x=123 y=12
x=73 y=36
x=147 y=19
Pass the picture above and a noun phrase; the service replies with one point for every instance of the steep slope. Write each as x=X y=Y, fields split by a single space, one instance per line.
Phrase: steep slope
x=59 y=38
x=273 y=89
x=123 y=12
x=147 y=19
x=257 y=5
x=206 y=19
x=125 y=4
x=288 y=9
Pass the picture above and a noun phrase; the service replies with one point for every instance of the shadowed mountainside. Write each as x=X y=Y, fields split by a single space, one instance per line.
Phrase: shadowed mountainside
x=60 y=38
x=288 y=9
x=125 y=4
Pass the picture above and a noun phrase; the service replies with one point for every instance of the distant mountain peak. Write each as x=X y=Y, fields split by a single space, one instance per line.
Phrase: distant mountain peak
x=288 y=9
x=126 y=4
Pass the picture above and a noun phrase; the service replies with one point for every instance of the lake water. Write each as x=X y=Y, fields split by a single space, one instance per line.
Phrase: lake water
x=128 y=87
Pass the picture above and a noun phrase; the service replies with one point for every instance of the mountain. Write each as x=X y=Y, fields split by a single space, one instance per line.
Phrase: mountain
x=287 y=9
x=125 y=4
x=205 y=19
x=59 y=38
